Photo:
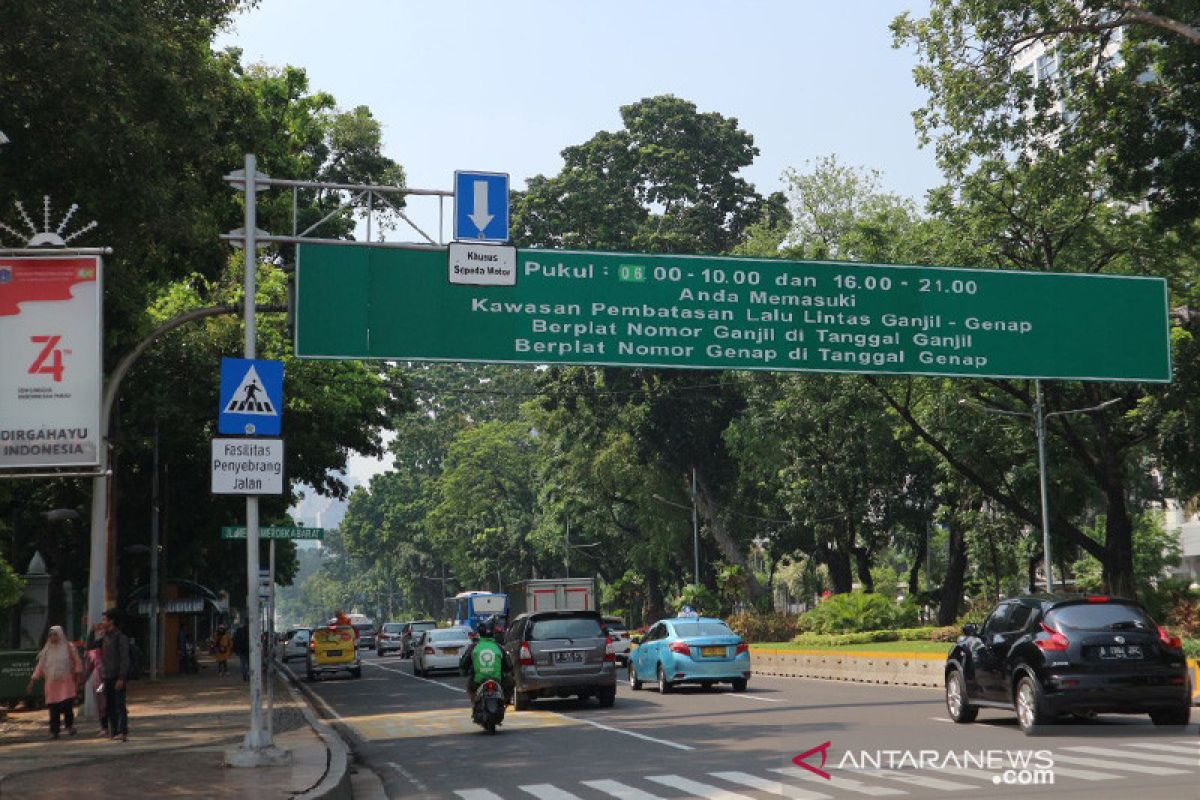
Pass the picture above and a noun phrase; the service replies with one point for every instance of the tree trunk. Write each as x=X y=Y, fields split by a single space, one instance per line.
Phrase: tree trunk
x=952 y=587
x=914 y=572
x=1118 y=548
x=729 y=548
x=654 y=597
x=862 y=559
x=838 y=564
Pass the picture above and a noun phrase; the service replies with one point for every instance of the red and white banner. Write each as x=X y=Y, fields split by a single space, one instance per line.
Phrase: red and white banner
x=50 y=361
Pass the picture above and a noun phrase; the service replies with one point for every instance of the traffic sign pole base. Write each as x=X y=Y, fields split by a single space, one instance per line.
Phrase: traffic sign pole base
x=248 y=756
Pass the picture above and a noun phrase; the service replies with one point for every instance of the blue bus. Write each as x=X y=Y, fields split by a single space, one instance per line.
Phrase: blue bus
x=471 y=608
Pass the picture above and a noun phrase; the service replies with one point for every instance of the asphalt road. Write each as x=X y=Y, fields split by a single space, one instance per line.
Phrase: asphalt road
x=884 y=741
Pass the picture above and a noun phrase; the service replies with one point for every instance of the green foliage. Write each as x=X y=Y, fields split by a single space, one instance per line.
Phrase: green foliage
x=700 y=598
x=928 y=634
x=853 y=612
x=763 y=627
x=11 y=585
x=1154 y=550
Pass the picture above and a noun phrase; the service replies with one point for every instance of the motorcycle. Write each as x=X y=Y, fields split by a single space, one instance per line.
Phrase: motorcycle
x=489 y=706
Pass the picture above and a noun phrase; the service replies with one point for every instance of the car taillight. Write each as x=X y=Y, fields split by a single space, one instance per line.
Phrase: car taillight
x=1173 y=642
x=1056 y=641
x=428 y=650
x=526 y=656
x=742 y=647
x=609 y=655
x=1097 y=598
x=681 y=648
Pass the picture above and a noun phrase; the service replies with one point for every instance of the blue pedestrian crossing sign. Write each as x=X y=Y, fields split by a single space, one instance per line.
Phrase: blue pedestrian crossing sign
x=251 y=397
x=480 y=206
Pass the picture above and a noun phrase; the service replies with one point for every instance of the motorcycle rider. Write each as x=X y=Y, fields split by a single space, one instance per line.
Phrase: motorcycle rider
x=484 y=659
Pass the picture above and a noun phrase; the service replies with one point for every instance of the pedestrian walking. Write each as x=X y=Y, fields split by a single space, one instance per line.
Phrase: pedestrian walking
x=59 y=665
x=93 y=673
x=114 y=661
x=222 y=649
x=241 y=646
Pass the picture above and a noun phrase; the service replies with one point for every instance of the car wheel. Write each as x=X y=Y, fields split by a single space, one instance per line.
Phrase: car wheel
x=634 y=683
x=1171 y=717
x=521 y=701
x=664 y=686
x=356 y=672
x=956 y=698
x=1030 y=714
x=607 y=697
x=739 y=684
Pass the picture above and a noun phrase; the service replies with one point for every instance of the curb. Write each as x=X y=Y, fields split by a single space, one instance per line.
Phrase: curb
x=335 y=783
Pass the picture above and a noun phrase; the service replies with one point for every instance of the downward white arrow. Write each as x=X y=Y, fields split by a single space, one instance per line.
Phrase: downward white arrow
x=481 y=217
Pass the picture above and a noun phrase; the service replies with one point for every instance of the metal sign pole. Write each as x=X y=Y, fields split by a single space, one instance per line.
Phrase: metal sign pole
x=1040 y=422
x=271 y=652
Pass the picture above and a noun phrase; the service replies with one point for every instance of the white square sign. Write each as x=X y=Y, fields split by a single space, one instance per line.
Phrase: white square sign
x=483 y=264
x=247 y=466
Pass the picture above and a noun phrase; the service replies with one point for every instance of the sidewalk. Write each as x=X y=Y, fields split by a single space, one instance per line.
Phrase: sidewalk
x=179 y=730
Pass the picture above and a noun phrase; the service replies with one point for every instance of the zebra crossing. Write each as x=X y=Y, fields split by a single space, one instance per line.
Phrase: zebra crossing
x=1091 y=764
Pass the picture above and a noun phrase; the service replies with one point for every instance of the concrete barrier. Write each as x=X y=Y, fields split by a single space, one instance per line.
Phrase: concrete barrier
x=883 y=667
x=892 y=668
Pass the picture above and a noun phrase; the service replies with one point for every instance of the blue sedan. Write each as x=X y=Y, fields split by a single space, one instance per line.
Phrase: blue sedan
x=699 y=650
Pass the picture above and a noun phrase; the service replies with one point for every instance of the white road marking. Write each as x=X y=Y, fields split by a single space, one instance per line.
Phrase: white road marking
x=611 y=729
x=745 y=696
x=942 y=719
x=838 y=782
x=408 y=776
x=772 y=787
x=1170 y=748
x=988 y=777
x=1122 y=767
x=477 y=794
x=546 y=791
x=924 y=781
x=620 y=790
x=696 y=788
x=1182 y=761
x=458 y=689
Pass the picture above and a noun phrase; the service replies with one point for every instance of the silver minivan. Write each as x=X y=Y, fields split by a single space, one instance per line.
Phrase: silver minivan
x=560 y=654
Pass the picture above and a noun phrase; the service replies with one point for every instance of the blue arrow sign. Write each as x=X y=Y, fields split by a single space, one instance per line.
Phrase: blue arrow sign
x=480 y=206
x=251 y=397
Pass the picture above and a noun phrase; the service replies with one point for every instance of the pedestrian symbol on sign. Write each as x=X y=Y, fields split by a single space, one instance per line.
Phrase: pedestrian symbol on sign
x=249 y=397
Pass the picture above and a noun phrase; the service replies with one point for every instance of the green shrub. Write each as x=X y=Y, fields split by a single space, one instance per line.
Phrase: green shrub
x=853 y=612
x=947 y=634
x=758 y=627
x=1191 y=648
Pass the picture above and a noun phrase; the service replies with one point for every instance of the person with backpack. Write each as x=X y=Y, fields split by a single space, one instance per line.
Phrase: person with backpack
x=115 y=670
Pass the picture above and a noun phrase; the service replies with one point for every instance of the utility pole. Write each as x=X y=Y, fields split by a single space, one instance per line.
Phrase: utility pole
x=695 y=532
x=154 y=592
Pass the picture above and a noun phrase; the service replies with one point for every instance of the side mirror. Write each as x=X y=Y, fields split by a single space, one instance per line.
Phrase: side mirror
x=970 y=629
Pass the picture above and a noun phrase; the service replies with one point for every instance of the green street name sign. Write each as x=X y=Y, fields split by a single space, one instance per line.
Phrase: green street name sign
x=274 y=532
x=571 y=307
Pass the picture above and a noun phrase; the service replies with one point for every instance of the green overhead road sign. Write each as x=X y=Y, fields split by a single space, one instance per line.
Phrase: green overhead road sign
x=273 y=532
x=571 y=307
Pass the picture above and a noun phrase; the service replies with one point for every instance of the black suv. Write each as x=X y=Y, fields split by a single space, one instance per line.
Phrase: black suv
x=1049 y=655
x=561 y=653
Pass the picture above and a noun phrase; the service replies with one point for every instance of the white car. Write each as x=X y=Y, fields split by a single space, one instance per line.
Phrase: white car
x=618 y=631
x=296 y=645
x=440 y=648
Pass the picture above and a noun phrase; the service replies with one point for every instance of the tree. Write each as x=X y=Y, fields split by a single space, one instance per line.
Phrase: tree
x=1137 y=132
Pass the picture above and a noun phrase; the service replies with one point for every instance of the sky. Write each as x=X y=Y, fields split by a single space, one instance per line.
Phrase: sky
x=504 y=87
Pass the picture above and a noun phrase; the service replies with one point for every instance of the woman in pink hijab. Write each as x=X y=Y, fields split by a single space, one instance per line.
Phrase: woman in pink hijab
x=59 y=665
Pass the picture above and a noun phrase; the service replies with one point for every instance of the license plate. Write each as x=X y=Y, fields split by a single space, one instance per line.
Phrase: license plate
x=450 y=650
x=568 y=657
x=1114 y=651
x=332 y=653
x=712 y=651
